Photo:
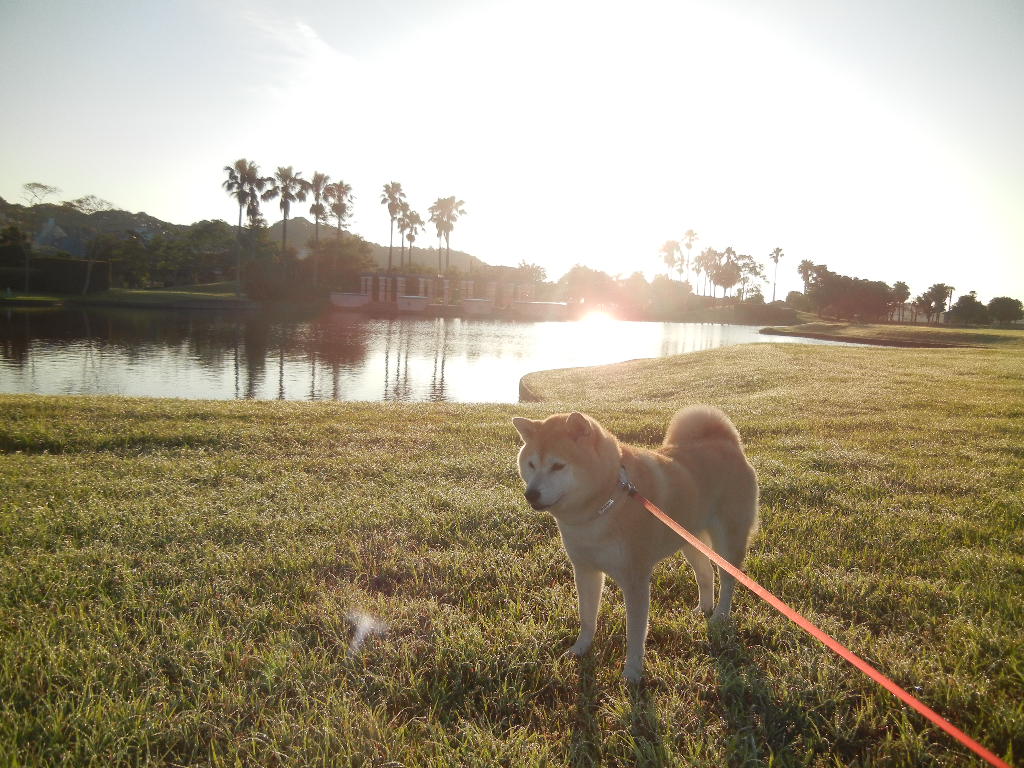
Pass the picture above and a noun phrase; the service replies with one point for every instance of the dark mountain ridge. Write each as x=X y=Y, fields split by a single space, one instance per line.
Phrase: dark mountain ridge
x=63 y=227
x=66 y=228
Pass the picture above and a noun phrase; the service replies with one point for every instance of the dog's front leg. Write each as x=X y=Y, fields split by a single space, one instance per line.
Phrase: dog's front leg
x=589 y=582
x=637 y=594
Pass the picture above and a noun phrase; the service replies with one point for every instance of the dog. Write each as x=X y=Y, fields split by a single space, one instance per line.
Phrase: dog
x=579 y=472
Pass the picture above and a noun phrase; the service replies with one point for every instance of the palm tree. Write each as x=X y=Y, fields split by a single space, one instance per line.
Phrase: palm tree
x=444 y=213
x=727 y=271
x=244 y=183
x=255 y=217
x=290 y=187
x=669 y=250
x=806 y=271
x=338 y=196
x=316 y=187
x=452 y=210
x=438 y=222
x=413 y=224
x=392 y=197
x=937 y=296
x=403 y=225
x=924 y=305
x=721 y=273
x=698 y=265
x=775 y=256
x=706 y=263
x=689 y=237
x=712 y=261
x=900 y=293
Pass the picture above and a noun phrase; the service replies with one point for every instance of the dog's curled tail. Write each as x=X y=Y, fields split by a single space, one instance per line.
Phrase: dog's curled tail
x=700 y=422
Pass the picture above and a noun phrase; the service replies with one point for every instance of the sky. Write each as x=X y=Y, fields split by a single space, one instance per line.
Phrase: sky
x=882 y=138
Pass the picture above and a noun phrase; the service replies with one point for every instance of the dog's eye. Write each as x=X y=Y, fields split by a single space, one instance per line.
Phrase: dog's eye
x=556 y=466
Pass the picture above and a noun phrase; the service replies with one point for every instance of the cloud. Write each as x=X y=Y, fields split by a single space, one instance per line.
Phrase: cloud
x=299 y=62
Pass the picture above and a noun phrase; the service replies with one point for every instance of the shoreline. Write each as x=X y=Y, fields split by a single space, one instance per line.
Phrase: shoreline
x=874 y=342
x=66 y=302
x=218 y=299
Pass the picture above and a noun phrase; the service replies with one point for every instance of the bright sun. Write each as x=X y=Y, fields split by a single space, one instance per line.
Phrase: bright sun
x=597 y=316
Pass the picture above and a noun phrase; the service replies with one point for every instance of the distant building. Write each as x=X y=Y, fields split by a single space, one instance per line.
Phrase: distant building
x=471 y=297
x=904 y=313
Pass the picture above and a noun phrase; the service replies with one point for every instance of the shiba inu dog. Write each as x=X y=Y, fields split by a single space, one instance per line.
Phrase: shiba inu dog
x=579 y=472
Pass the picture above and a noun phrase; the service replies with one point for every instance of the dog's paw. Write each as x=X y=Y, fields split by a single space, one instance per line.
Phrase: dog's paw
x=633 y=674
x=700 y=610
x=719 y=619
x=579 y=648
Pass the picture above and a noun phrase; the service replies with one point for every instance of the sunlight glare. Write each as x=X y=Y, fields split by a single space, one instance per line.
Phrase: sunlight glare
x=597 y=316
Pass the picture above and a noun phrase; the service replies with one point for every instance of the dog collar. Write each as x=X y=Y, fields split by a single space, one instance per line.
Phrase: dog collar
x=623 y=484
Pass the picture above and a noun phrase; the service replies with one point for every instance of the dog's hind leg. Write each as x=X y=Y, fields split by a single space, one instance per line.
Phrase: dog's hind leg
x=732 y=545
x=704 y=573
x=589 y=582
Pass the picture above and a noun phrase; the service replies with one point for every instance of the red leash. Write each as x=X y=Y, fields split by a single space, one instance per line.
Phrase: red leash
x=819 y=634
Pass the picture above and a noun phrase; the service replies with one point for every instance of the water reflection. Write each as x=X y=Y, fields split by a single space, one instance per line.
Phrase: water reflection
x=333 y=355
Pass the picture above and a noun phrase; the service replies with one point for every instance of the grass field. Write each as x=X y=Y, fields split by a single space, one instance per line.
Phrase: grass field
x=29 y=300
x=207 y=294
x=182 y=583
x=907 y=334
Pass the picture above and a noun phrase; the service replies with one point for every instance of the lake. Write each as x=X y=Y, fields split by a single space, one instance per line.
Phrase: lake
x=202 y=354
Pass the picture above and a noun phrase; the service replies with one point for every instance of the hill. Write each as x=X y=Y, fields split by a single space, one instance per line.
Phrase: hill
x=301 y=233
x=66 y=228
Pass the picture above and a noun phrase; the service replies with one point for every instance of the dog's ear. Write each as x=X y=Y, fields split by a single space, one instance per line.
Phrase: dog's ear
x=578 y=426
x=527 y=428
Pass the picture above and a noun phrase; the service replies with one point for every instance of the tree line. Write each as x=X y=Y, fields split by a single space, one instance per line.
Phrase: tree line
x=329 y=199
x=104 y=247
x=827 y=293
x=850 y=298
x=138 y=251
x=715 y=269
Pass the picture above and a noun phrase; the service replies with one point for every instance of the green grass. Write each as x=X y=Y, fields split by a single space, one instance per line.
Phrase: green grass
x=907 y=334
x=28 y=299
x=180 y=581
x=182 y=295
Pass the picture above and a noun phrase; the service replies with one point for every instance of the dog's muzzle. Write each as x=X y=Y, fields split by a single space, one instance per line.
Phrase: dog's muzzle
x=533 y=498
